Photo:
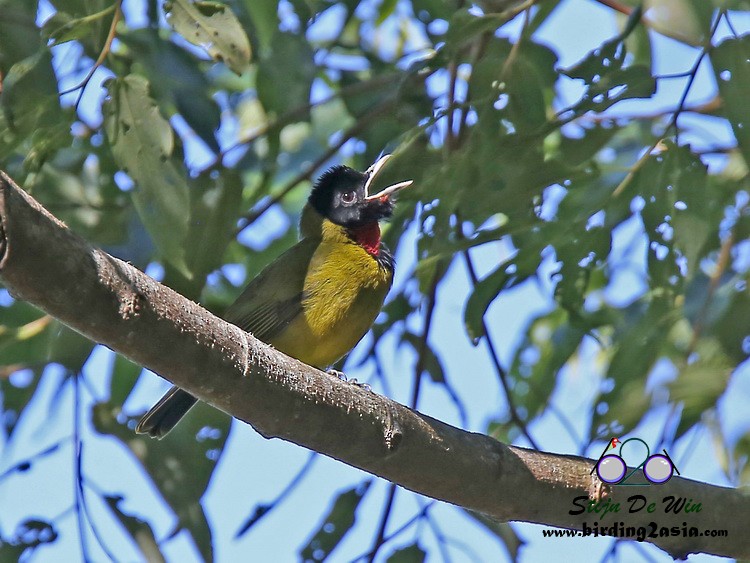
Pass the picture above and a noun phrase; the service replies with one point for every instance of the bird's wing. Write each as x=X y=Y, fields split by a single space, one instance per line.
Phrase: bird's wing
x=273 y=299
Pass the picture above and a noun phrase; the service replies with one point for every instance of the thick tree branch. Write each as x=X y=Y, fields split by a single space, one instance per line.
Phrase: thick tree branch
x=109 y=301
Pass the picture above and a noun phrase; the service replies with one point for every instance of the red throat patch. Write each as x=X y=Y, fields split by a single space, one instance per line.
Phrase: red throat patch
x=368 y=237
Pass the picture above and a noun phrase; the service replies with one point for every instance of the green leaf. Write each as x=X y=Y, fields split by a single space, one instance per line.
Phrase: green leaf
x=215 y=210
x=550 y=341
x=68 y=348
x=638 y=43
x=193 y=450
x=728 y=318
x=465 y=26
x=335 y=525
x=31 y=110
x=529 y=81
x=410 y=554
x=430 y=360
x=124 y=377
x=213 y=27
x=641 y=334
x=691 y=231
x=731 y=63
x=177 y=82
x=62 y=27
x=139 y=531
x=264 y=17
x=687 y=20
x=285 y=75
x=143 y=143
x=507 y=275
x=592 y=139
x=609 y=76
x=430 y=271
x=86 y=202
x=503 y=531
x=700 y=384
x=29 y=535
x=16 y=42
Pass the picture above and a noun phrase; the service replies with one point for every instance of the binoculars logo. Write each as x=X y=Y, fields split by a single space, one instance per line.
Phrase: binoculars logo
x=612 y=469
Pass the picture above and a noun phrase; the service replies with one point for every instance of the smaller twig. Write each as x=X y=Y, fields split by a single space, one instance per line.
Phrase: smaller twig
x=77 y=462
x=26 y=464
x=499 y=369
x=406 y=525
x=675 y=116
x=440 y=538
x=102 y=55
x=514 y=50
x=418 y=369
x=450 y=136
x=301 y=111
x=380 y=536
x=722 y=263
x=717 y=150
x=81 y=508
x=84 y=20
x=262 y=510
x=725 y=13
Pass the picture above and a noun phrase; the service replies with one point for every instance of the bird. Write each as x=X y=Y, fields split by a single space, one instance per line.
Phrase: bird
x=318 y=299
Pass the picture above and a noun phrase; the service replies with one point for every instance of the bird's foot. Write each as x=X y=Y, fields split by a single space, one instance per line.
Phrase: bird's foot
x=342 y=376
x=336 y=373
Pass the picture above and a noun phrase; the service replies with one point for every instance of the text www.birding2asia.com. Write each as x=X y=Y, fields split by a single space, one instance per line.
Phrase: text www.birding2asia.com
x=619 y=529
x=638 y=533
x=655 y=469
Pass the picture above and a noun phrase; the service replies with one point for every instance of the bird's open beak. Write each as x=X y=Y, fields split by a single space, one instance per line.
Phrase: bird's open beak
x=373 y=171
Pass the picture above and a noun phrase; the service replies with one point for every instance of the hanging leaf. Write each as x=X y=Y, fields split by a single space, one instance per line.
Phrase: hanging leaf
x=731 y=63
x=143 y=144
x=140 y=532
x=285 y=75
x=335 y=525
x=409 y=554
x=213 y=27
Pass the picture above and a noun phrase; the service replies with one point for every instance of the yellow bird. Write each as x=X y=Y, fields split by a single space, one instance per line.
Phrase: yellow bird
x=319 y=298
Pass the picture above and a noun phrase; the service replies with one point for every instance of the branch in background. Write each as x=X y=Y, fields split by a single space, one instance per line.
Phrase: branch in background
x=301 y=111
x=80 y=505
x=494 y=356
x=262 y=509
x=42 y=262
x=26 y=464
x=675 y=116
x=418 y=374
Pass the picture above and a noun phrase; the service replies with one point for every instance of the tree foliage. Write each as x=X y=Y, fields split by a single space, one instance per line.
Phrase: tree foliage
x=169 y=132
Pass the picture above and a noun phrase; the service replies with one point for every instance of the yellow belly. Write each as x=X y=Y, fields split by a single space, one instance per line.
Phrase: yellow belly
x=344 y=291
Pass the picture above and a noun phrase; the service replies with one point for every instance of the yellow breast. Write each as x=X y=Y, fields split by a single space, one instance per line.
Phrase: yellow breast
x=343 y=293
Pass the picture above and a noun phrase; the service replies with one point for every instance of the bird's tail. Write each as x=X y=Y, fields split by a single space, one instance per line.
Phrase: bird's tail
x=166 y=413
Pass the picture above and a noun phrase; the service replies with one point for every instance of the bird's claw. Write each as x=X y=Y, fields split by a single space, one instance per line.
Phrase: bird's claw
x=342 y=376
x=336 y=373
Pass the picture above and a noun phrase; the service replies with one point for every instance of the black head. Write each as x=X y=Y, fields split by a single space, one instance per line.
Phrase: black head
x=339 y=196
x=342 y=196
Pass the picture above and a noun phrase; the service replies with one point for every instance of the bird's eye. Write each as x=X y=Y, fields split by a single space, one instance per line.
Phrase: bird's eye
x=347 y=198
